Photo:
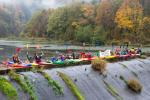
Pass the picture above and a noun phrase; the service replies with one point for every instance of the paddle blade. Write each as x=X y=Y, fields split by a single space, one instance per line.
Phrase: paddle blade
x=18 y=50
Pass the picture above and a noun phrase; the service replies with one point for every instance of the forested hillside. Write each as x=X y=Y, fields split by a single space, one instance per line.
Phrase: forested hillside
x=14 y=15
x=105 y=20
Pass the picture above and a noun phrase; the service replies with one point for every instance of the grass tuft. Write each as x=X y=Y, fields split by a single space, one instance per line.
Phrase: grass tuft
x=31 y=89
x=57 y=88
x=123 y=65
x=16 y=77
x=26 y=86
x=72 y=86
x=7 y=88
x=112 y=91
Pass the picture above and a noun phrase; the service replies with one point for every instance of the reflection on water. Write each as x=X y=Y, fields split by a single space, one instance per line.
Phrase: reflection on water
x=8 y=51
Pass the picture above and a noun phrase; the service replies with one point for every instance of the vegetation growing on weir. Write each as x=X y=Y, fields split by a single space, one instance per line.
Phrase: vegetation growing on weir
x=7 y=88
x=31 y=89
x=125 y=66
x=112 y=91
x=133 y=84
x=26 y=86
x=72 y=86
x=57 y=88
x=99 y=65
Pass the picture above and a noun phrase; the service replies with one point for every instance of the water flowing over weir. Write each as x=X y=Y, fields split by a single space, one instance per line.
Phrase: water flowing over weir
x=90 y=82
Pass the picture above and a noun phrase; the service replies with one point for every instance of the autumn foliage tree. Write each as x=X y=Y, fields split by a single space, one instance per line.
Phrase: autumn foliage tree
x=129 y=17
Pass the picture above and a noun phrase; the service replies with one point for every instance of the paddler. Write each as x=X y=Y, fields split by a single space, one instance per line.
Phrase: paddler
x=16 y=59
x=38 y=57
x=30 y=59
x=139 y=51
x=15 y=56
x=73 y=55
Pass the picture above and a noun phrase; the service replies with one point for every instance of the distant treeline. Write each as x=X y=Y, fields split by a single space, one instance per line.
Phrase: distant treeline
x=105 y=21
x=15 y=14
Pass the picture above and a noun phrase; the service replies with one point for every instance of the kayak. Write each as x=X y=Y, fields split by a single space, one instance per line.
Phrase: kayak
x=110 y=57
x=135 y=55
x=73 y=60
x=24 y=65
x=15 y=65
x=45 y=64
x=67 y=61
x=87 y=59
x=59 y=62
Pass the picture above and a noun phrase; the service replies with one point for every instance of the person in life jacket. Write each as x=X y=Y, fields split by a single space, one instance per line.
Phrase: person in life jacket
x=38 y=58
x=132 y=51
x=117 y=51
x=16 y=59
x=73 y=55
x=29 y=58
x=139 y=51
x=83 y=55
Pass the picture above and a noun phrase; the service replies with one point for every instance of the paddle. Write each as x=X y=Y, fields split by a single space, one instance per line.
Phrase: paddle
x=27 y=52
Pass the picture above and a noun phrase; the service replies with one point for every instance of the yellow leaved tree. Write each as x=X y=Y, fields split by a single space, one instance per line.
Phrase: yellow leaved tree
x=129 y=17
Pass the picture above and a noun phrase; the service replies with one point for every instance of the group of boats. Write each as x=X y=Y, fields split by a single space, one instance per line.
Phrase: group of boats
x=64 y=60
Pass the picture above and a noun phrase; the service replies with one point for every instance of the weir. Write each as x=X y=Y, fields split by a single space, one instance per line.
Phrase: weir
x=90 y=82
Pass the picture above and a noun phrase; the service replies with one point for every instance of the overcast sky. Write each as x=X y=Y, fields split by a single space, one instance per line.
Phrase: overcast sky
x=43 y=3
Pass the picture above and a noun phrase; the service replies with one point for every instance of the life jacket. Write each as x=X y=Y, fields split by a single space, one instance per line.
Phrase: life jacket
x=37 y=59
x=53 y=59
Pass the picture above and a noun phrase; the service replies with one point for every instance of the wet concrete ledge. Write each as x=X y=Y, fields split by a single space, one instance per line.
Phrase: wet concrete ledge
x=91 y=83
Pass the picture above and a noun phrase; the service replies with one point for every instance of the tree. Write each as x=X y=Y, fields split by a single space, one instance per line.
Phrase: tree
x=105 y=16
x=146 y=27
x=37 y=26
x=84 y=33
x=129 y=16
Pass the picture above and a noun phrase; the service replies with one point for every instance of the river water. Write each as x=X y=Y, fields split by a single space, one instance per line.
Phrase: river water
x=8 y=48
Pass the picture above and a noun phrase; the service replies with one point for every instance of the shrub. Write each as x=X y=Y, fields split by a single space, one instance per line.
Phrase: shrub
x=135 y=85
x=99 y=65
